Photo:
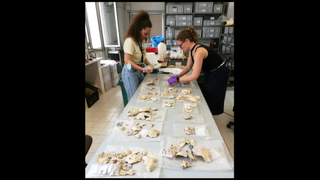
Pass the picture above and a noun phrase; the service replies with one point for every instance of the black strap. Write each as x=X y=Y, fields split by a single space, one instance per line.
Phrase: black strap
x=193 y=47
x=191 y=52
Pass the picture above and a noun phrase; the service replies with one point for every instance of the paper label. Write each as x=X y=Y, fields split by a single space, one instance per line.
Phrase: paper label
x=211 y=18
x=178 y=63
x=198 y=22
x=184 y=23
x=218 y=8
x=188 y=9
x=199 y=131
x=203 y=10
x=184 y=18
x=103 y=169
x=174 y=9
x=167 y=153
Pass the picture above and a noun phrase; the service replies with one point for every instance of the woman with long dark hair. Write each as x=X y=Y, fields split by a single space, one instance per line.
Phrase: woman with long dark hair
x=134 y=52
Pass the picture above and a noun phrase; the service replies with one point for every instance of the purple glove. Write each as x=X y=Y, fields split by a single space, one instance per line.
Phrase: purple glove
x=173 y=79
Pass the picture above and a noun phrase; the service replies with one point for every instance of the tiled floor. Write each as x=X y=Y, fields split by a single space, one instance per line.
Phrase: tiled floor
x=101 y=117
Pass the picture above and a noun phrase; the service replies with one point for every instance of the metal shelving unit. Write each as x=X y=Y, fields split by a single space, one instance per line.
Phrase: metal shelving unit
x=189 y=9
x=226 y=47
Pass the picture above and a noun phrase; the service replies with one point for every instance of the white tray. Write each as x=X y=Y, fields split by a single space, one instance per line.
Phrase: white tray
x=161 y=111
x=153 y=99
x=179 y=100
x=146 y=80
x=139 y=168
x=144 y=93
x=221 y=160
x=196 y=118
x=195 y=110
x=146 y=88
x=119 y=135
x=178 y=90
x=167 y=100
x=200 y=130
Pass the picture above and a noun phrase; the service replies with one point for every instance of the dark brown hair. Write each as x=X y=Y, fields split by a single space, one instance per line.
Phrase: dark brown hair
x=189 y=33
x=140 y=21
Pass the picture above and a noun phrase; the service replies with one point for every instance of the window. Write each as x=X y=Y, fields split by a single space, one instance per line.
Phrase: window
x=108 y=14
x=87 y=38
x=93 y=25
x=106 y=21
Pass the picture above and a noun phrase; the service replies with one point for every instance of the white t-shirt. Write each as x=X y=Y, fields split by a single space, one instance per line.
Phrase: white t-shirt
x=130 y=47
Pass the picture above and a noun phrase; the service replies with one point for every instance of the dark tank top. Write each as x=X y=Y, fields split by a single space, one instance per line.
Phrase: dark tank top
x=212 y=61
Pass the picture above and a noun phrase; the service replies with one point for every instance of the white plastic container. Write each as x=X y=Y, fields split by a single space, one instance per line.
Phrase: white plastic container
x=105 y=68
x=106 y=76
x=107 y=85
x=162 y=48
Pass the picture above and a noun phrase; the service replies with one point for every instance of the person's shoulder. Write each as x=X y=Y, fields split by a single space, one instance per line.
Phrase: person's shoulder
x=201 y=48
x=201 y=51
x=128 y=39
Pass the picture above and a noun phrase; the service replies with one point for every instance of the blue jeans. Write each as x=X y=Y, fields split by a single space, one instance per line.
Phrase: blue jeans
x=131 y=80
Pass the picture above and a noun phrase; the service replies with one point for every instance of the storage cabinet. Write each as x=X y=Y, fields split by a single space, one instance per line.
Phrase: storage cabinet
x=217 y=8
x=203 y=7
x=174 y=9
x=109 y=74
x=201 y=15
x=226 y=47
x=197 y=21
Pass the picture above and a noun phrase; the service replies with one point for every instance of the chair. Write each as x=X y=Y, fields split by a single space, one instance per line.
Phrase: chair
x=230 y=122
x=88 y=142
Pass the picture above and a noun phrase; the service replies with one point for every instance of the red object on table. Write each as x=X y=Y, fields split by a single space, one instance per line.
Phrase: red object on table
x=152 y=49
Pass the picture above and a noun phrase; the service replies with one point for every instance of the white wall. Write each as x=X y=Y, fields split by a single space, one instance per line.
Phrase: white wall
x=123 y=21
x=148 y=6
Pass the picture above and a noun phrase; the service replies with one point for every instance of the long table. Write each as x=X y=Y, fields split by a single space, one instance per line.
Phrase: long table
x=168 y=131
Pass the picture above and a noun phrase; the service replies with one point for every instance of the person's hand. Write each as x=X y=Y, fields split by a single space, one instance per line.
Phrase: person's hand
x=147 y=70
x=173 y=79
x=151 y=66
x=175 y=76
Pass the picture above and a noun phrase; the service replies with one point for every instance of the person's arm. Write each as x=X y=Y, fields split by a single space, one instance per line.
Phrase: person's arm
x=127 y=57
x=198 y=59
x=148 y=63
x=129 y=48
x=187 y=68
